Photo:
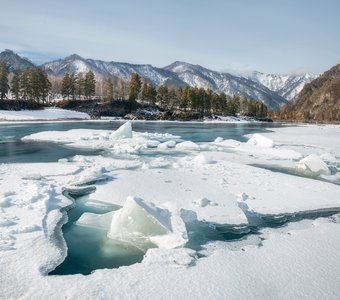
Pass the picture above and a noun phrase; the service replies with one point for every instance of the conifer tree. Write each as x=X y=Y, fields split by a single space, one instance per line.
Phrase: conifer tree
x=4 y=87
x=135 y=85
x=15 y=84
x=89 y=85
x=108 y=90
x=144 y=92
x=163 y=96
x=65 y=86
x=79 y=85
x=152 y=94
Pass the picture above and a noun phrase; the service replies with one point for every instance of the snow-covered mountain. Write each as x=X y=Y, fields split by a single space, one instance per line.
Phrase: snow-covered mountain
x=178 y=74
x=77 y=64
x=272 y=89
x=287 y=86
x=195 y=75
x=14 y=61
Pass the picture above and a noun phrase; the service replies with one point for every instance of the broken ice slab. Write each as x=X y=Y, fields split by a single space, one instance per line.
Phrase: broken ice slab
x=100 y=221
x=145 y=226
x=123 y=132
x=312 y=165
x=260 y=141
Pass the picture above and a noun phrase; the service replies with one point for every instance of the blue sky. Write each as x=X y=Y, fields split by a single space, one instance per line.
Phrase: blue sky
x=266 y=35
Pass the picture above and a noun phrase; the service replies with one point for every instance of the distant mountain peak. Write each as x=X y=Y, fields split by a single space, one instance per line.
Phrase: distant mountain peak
x=15 y=61
x=74 y=56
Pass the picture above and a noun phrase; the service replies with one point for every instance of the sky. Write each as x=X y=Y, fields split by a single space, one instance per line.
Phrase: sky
x=271 y=36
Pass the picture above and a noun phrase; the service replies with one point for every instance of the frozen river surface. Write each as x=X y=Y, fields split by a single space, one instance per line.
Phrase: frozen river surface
x=214 y=210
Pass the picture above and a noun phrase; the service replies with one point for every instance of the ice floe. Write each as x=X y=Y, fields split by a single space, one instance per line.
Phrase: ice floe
x=312 y=165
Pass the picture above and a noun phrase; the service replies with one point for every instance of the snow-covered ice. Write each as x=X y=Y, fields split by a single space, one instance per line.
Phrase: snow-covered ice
x=312 y=165
x=44 y=114
x=181 y=203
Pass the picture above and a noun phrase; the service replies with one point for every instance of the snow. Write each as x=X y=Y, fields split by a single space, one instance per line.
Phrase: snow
x=44 y=114
x=187 y=145
x=260 y=141
x=312 y=165
x=174 y=205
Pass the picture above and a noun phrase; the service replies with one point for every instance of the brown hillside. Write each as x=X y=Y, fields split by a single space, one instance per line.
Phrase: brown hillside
x=319 y=100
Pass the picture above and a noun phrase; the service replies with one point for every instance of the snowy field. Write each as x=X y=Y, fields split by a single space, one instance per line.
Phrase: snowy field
x=44 y=114
x=216 y=220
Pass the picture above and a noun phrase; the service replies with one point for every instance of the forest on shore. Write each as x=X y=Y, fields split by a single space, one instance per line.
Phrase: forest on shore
x=33 y=88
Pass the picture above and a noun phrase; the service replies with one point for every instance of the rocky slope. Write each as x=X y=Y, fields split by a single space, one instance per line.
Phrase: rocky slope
x=318 y=101
x=15 y=61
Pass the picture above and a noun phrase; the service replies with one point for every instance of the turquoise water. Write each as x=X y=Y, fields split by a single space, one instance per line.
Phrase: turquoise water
x=89 y=248
x=13 y=150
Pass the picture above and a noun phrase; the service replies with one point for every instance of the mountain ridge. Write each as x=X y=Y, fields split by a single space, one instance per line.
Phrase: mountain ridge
x=318 y=101
x=176 y=74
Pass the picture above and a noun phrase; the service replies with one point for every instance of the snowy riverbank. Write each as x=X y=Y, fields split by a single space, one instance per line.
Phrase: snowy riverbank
x=44 y=114
x=196 y=194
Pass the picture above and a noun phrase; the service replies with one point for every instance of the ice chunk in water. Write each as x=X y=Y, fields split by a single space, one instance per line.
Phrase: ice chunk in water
x=312 y=165
x=123 y=132
x=101 y=221
x=143 y=225
x=260 y=141
x=139 y=219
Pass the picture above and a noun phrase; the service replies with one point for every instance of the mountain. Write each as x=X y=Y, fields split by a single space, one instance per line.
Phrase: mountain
x=287 y=86
x=272 y=89
x=176 y=74
x=319 y=100
x=195 y=75
x=14 y=61
x=76 y=64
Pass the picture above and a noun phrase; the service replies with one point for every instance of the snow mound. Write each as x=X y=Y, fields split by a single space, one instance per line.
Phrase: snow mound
x=145 y=225
x=166 y=145
x=260 y=141
x=187 y=145
x=218 y=139
x=312 y=165
x=89 y=176
x=182 y=257
x=123 y=132
x=204 y=158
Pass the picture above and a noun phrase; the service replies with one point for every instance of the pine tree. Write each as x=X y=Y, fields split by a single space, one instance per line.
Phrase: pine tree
x=152 y=94
x=15 y=83
x=144 y=92
x=121 y=89
x=163 y=96
x=79 y=85
x=89 y=85
x=34 y=85
x=108 y=90
x=4 y=87
x=134 y=86
x=65 y=86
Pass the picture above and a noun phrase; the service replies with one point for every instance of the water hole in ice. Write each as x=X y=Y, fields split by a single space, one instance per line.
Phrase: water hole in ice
x=90 y=249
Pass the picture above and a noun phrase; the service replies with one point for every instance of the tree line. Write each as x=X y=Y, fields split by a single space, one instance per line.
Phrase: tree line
x=33 y=84
x=30 y=84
